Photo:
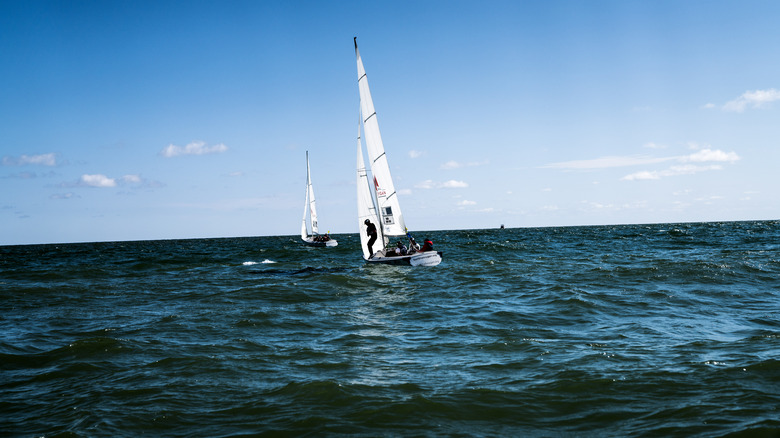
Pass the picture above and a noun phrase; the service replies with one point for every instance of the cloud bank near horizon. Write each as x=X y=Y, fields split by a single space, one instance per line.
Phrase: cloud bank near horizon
x=699 y=161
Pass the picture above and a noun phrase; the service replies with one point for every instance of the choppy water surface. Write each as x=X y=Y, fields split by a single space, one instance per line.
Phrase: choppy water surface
x=640 y=330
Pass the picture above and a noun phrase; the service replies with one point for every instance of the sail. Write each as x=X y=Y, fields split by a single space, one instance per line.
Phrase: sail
x=309 y=207
x=310 y=197
x=310 y=213
x=365 y=204
x=392 y=219
x=304 y=233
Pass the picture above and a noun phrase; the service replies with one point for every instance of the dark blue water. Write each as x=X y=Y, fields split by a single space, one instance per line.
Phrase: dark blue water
x=636 y=330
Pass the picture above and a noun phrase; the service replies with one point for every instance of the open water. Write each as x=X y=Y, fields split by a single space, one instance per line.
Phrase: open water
x=634 y=330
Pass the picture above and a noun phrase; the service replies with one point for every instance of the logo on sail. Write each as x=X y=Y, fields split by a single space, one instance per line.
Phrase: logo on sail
x=379 y=192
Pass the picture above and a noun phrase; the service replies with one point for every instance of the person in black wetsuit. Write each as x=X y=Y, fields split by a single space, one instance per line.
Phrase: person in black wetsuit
x=371 y=233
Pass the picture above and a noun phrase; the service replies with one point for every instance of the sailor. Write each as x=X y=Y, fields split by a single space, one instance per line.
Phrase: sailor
x=371 y=233
x=400 y=249
x=413 y=246
x=427 y=245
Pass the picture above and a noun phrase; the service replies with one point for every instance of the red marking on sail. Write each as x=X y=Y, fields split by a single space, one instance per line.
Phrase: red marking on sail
x=376 y=184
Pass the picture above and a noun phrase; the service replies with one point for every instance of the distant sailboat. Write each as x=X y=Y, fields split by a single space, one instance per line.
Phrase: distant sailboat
x=310 y=213
x=376 y=198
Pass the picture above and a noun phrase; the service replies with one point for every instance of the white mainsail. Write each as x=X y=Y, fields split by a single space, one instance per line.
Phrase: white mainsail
x=391 y=218
x=365 y=204
x=309 y=207
x=304 y=232
x=312 y=205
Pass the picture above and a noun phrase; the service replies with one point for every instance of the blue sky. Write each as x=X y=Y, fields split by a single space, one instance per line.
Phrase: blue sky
x=158 y=120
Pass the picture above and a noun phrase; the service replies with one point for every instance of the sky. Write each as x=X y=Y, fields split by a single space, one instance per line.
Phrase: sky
x=143 y=120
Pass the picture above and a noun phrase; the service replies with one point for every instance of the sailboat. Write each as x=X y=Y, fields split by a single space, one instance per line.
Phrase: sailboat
x=376 y=197
x=310 y=213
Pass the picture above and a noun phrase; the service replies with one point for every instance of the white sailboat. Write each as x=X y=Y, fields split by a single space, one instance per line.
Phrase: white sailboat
x=310 y=213
x=377 y=199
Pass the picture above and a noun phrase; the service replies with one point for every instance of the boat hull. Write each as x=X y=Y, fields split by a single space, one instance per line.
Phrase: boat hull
x=427 y=258
x=329 y=244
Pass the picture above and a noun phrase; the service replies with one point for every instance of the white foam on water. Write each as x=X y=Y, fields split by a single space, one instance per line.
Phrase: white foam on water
x=268 y=261
x=249 y=263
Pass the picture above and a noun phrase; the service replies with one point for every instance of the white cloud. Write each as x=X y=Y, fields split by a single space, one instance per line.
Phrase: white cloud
x=709 y=200
x=68 y=195
x=752 y=99
x=597 y=206
x=688 y=169
x=451 y=184
x=634 y=205
x=645 y=174
x=97 y=180
x=43 y=160
x=416 y=154
x=132 y=179
x=705 y=155
x=607 y=162
x=591 y=206
x=49 y=159
x=102 y=181
x=455 y=165
x=404 y=192
x=464 y=203
x=23 y=175
x=194 y=148
x=234 y=204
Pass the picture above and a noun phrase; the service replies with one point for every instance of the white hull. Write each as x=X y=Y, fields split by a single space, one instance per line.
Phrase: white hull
x=311 y=242
x=427 y=258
